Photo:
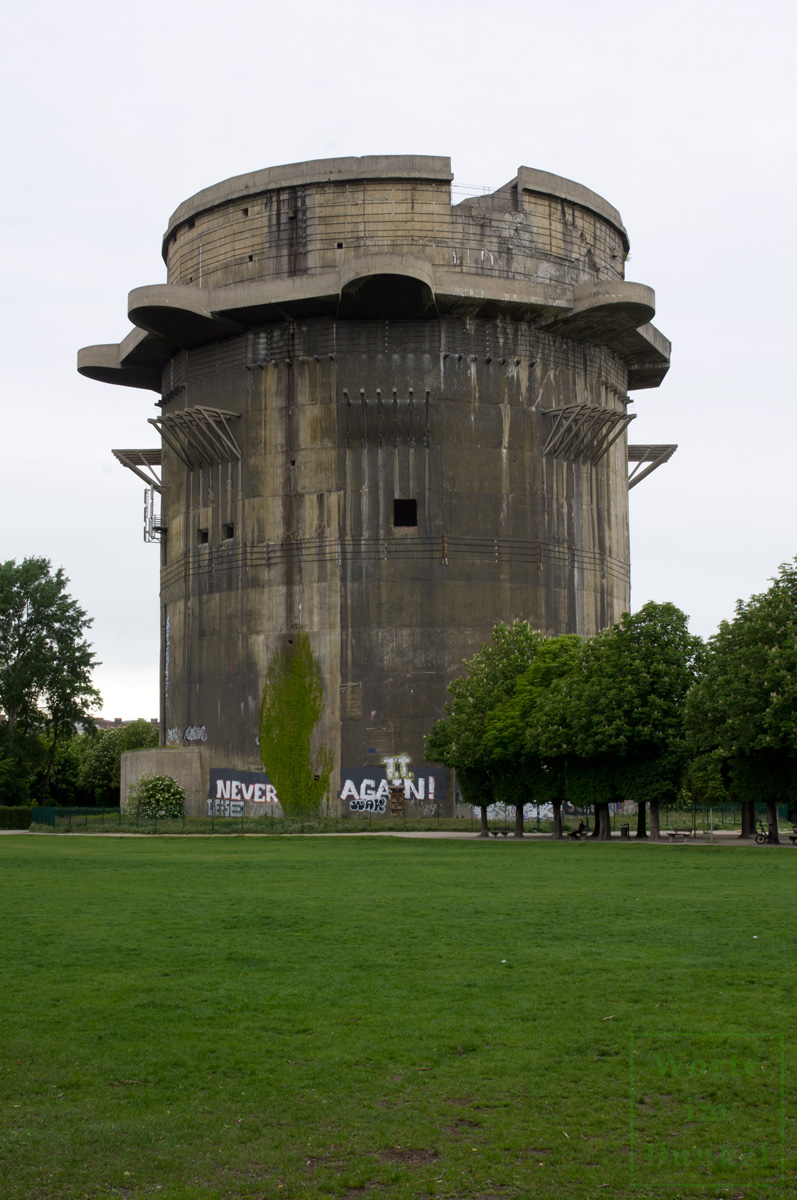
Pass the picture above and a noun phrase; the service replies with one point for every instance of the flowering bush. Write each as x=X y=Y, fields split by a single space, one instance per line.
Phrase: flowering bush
x=157 y=796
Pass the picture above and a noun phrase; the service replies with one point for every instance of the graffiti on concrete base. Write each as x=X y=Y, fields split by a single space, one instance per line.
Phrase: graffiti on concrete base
x=230 y=790
x=173 y=736
x=373 y=804
x=196 y=733
x=367 y=789
x=225 y=808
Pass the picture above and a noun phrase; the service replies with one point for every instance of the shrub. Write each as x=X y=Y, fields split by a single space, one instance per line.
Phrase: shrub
x=157 y=796
x=17 y=817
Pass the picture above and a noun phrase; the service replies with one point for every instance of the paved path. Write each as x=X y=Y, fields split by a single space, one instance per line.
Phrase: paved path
x=718 y=838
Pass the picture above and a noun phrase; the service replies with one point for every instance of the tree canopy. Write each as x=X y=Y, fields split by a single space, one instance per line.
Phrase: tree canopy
x=460 y=739
x=45 y=664
x=744 y=709
x=516 y=725
x=596 y=720
x=100 y=757
x=617 y=717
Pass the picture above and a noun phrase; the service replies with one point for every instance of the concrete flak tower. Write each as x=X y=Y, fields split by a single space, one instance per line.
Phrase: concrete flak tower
x=388 y=419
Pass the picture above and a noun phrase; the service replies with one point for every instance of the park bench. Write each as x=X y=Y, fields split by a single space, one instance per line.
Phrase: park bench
x=793 y=835
x=678 y=835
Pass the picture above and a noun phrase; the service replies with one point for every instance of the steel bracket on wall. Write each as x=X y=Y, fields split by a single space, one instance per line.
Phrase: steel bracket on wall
x=647 y=458
x=199 y=436
x=584 y=431
x=143 y=464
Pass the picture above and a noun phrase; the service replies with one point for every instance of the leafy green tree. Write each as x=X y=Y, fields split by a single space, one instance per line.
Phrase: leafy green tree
x=101 y=757
x=616 y=719
x=65 y=786
x=45 y=662
x=23 y=760
x=460 y=739
x=745 y=706
x=515 y=727
x=291 y=708
x=707 y=779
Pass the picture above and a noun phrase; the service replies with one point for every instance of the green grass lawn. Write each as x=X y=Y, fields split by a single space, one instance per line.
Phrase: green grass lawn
x=334 y=1017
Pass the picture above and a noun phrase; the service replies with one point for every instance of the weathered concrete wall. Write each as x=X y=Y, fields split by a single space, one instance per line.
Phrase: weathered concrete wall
x=503 y=531
x=185 y=766
x=374 y=342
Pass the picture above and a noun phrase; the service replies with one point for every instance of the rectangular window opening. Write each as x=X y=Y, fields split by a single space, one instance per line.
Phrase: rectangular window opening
x=202 y=537
x=340 y=245
x=244 y=212
x=405 y=514
x=227 y=532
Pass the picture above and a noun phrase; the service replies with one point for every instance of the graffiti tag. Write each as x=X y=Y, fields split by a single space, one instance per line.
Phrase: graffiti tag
x=368 y=789
x=229 y=787
x=196 y=733
x=372 y=804
x=225 y=808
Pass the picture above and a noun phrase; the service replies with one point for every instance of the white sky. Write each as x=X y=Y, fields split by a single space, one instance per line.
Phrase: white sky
x=680 y=113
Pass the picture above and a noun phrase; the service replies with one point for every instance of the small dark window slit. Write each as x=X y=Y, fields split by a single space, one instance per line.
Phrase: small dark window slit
x=405 y=514
x=227 y=532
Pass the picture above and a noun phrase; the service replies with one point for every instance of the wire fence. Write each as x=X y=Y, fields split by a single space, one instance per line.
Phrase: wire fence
x=414 y=817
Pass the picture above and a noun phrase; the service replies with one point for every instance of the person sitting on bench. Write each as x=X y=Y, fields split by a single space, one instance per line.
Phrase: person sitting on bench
x=577 y=834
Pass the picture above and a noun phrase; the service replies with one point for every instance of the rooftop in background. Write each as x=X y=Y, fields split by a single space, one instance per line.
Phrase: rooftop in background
x=119 y=722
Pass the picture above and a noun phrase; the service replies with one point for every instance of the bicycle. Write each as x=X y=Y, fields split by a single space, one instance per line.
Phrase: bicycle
x=764 y=834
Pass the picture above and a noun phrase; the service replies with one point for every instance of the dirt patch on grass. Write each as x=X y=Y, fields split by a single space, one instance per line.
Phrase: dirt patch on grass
x=461 y=1126
x=410 y=1158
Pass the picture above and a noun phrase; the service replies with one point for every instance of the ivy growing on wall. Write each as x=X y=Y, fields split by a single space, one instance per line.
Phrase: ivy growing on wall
x=290 y=710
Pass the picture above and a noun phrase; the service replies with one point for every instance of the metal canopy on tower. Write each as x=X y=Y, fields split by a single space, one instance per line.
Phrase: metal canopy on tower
x=647 y=459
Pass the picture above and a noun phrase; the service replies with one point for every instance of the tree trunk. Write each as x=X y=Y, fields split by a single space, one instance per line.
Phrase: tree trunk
x=518 y=821
x=641 y=824
x=48 y=772
x=748 y=819
x=603 y=822
x=655 y=827
x=772 y=818
x=485 y=828
x=596 y=825
x=557 y=819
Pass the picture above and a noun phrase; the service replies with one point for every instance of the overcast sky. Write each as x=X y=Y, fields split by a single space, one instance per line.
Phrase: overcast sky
x=681 y=114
